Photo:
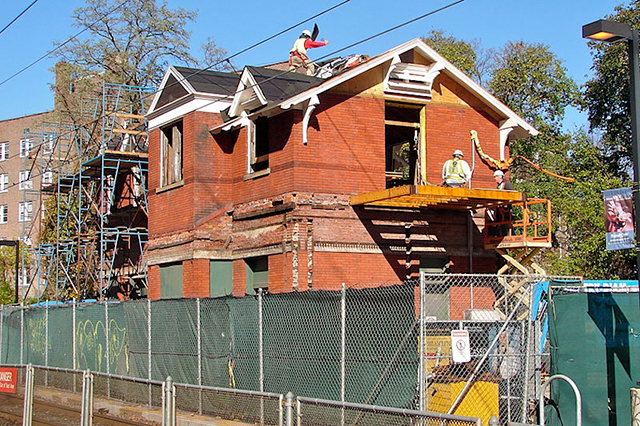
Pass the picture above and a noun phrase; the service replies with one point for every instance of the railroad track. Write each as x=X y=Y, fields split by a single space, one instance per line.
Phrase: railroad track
x=50 y=414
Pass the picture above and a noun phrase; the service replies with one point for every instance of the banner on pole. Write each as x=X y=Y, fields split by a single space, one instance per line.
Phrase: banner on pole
x=618 y=218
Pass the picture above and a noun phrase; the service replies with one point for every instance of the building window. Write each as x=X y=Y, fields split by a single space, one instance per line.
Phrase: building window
x=258 y=145
x=257 y=273
x=220 y=278
x=4 y=182
x=25 y=147
x=4 y=151
x=48 y=143
x=25 y=211
x=47 y=177
x=171 y=155
x=171 y=281
x=25 y=180
x=4 y=213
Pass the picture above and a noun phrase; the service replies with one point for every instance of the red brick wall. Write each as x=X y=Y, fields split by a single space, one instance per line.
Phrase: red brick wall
x=153 y=278
x=195 y=278
x=460 y=300
x=447 y=129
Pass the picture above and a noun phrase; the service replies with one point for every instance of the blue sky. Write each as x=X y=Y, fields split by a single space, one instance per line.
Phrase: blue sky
x=556 y=23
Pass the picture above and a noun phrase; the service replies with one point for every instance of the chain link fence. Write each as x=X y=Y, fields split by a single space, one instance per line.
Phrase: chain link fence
x=388 y=344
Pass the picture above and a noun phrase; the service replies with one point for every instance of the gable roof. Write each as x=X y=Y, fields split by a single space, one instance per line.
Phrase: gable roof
x=439 y=63
x=183 y=82
x=263 y=87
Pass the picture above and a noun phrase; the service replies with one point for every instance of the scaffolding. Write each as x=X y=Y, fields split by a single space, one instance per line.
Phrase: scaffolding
x=96 y=171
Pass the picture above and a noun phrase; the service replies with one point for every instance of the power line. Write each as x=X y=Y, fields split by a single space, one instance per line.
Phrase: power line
x=18 y=17
x=63 y=44
x=349 y=46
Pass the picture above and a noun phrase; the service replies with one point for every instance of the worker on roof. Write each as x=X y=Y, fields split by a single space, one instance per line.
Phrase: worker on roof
x=298 y=59
x=456 y=171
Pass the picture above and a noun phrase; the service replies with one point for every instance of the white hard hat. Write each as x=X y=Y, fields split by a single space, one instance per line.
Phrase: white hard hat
x=498 y=173
x=306 y=33
x=458 y=152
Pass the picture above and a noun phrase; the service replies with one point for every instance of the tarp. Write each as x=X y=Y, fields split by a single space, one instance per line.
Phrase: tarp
x=595 y=341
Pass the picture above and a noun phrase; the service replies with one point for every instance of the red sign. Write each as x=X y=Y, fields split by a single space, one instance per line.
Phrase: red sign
x=8 y=379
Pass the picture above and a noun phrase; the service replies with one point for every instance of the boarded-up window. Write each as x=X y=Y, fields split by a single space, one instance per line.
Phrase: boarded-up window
x=259 y=145
x=257 y=273
x=171 y=159
x=220 y=278
x=171 y=281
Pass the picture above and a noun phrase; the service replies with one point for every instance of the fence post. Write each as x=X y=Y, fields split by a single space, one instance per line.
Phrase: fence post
x=21 y=334
x=168 y=402
x=87 y=399
x=199 y=343
x=343 y=347
x=261 y=354
x=421 y=361
x=1 y=330
x=107 y=348
x=149 y=349
x=46 y=336
x=288 y=405
x=27 y=412
x=73 y=337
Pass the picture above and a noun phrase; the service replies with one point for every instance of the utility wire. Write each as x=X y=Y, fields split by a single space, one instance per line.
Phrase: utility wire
x=62 y=44
x=18 y=17
x=404 y=24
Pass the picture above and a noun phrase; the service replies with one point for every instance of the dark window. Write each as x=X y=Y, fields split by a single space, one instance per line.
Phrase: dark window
x=220 y=278
x=257 y=273
x=171 y=281
x=171 y=154
x=259 y=145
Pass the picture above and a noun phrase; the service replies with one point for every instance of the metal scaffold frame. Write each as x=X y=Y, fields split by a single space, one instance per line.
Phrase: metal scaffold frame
x=100 y=198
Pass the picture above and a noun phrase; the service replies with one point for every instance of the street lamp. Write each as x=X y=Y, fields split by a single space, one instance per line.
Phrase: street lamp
x=610 y=32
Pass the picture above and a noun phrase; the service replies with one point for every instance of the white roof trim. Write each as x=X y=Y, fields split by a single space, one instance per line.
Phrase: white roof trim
x=248 y=95
x=429 y=53
x=171 y=71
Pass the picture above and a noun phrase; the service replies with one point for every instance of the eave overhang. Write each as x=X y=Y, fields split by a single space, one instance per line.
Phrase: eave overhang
x=436 y=197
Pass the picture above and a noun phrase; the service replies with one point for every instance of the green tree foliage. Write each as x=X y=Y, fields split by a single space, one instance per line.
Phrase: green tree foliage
x=464 y=55
x=132 y=42
x=606 y=95
x=531 y=80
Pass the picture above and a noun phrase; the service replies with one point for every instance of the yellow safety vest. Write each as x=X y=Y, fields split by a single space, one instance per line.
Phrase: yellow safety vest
x=298 y=46
x=455 y=170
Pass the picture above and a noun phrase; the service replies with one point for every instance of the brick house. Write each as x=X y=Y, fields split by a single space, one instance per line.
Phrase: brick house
x=287 y=182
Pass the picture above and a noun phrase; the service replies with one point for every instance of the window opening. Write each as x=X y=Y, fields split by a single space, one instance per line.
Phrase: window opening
x=259 y=145
x=402 y=140
x=171 y=154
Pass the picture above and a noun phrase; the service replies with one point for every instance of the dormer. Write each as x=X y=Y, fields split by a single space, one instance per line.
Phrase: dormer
x=249 y=96
x=411 y=79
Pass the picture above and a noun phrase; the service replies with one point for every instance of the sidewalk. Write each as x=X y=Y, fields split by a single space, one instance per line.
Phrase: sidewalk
x=128 y=411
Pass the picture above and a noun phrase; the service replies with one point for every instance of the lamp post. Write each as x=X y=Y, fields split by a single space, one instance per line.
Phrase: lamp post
x=610 y=32
x=15 y=243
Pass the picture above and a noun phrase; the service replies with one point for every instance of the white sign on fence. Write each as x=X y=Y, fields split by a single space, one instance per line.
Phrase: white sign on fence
x=460 y=346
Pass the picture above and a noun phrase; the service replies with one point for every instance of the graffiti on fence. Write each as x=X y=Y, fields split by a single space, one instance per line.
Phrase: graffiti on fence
x=91 y=339
x=36 y=329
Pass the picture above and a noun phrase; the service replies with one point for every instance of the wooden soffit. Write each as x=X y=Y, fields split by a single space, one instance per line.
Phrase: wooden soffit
x=423 y=196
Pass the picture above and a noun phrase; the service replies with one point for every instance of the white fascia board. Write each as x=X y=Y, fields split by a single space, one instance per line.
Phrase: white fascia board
x=183 y=81
x=246 y=84
x=429 y=53
x=475 y=88
x=210 y=103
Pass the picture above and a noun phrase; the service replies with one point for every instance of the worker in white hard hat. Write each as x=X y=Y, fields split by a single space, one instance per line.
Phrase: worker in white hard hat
x=298 y=59
x=456 y=172
x=500 y=216
x=501 y=181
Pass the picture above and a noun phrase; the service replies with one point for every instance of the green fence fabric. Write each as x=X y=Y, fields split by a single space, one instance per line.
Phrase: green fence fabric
x=594 y=341
x=217 y=342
